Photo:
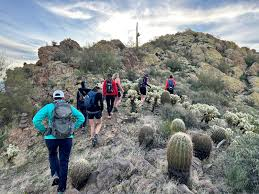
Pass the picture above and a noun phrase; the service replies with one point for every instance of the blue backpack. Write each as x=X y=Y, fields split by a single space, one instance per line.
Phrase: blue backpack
x=170 y=84
x=90 y=100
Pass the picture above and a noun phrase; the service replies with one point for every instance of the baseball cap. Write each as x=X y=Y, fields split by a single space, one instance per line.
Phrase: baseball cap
x=58 y=94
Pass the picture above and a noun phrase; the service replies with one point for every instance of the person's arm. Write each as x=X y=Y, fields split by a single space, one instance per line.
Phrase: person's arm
x=174 y=82
x=40 y=116
x=166 y=84
x=77 y=99
x=115 y=88
x=80 y=119
x=104 y=88
x=100 y=99
x=119 y=83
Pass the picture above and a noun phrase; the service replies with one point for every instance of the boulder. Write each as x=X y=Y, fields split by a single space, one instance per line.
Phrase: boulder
x=253 y=70
x=69 y=44
x=47 y=54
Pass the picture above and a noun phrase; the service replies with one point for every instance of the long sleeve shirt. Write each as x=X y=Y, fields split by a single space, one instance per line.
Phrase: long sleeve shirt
x=167 y=84
x=46 y=112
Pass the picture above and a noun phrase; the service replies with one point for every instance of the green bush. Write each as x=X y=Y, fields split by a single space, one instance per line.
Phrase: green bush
x=209 y=81
x=241 y=164
x=174 y=65
x=250 y=59
x=165 y=129
x=131 y=75
x=17 y=95
x=99 y=61
x=211 y=98
x=225 y=67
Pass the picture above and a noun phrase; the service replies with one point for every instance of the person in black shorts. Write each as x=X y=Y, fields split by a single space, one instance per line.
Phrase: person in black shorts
x=95 y=112
x=143 y=88
x=80 y=105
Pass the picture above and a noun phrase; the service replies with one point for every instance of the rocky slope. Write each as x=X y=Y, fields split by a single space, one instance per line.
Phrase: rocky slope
x=119 y=164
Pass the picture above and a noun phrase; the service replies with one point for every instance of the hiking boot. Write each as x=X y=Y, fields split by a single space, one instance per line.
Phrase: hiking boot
x=109 y=116
x=55 y=180
x=94 y=142
x=96 y=138
x=115 y=109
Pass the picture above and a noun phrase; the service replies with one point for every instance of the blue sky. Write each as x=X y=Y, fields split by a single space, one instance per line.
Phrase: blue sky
x=28 y=24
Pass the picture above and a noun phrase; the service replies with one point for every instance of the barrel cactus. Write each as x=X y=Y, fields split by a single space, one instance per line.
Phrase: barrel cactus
x=202 y=145
x=146 y=136
x=165 y=97
x=179 y=157
x=177 y=125
x=79 y=172
x=218 y=134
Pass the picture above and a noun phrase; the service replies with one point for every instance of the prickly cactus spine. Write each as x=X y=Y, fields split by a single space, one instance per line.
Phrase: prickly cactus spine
x=218 y=134
x=165 y=97
x=177 y=126
x=179 y=157
x=202 y=145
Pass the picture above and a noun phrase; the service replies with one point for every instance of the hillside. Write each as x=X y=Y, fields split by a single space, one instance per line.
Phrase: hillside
x=217 y=82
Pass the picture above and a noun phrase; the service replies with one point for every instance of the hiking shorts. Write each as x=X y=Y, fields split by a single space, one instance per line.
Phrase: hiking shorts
x=143 y=90
x=97 y=115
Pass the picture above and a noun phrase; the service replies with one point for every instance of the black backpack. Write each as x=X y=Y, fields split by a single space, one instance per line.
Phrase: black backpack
x=109 y=88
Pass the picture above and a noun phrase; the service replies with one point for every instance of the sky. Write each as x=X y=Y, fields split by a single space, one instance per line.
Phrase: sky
x=26 y=25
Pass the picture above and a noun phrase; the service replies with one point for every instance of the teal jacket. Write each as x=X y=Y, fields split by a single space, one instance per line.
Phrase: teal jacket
x=47 y=112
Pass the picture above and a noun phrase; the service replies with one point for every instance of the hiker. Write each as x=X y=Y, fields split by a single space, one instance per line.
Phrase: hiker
x=80 y=105
x=170 y=84
x=58 y=135
x=94 y=108
x=143 y=87
x=110 y=91
x=117 y=101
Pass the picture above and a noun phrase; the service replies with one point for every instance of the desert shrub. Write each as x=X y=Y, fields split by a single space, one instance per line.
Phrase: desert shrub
x=211 y=98
x=174 y=65
x=250 y=59
x=224 y=67
x=209 y=81
x=16 y=98
x=241 y=164
x=165 y=129
x=99 y=61
x=167 y=112
x=131 y=75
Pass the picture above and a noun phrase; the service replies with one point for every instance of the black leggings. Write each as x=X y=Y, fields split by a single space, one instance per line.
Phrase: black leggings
x=110 y=101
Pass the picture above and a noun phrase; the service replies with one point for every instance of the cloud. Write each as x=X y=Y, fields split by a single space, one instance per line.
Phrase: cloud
x=68 y=11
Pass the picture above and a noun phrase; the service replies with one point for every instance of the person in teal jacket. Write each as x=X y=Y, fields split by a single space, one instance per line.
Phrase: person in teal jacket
x=58 y=166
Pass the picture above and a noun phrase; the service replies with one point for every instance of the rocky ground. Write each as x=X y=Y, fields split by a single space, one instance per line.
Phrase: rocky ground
x=118 y=164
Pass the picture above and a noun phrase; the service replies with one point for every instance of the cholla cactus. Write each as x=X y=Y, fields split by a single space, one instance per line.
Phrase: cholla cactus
x=12 y=151
x=186 y=105
x=231 y=118
x=243 y=121
x=177 y=125
x=132 y=94
x=175 y=99
x=179 y=157
x=134 y=105
x=205 y=111
x=202 y=145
